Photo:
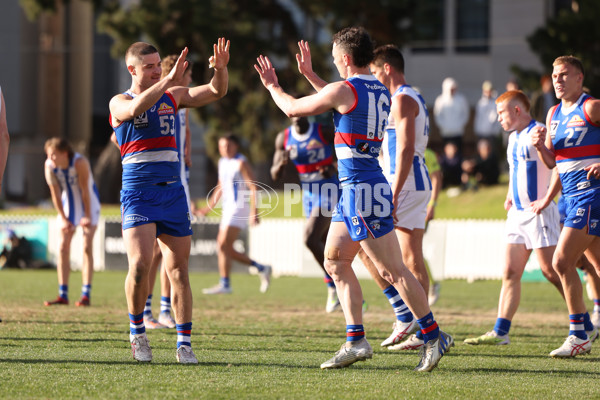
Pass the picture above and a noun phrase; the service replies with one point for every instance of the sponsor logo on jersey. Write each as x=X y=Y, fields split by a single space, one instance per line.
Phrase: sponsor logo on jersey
x=375 y=87
x=354 y=220
x=363 y=147
x=358 y=230
x=314 y=144
x=165 y=109
x=135 y=218
x=576 y=121
x=141 y=121
x=583 y=185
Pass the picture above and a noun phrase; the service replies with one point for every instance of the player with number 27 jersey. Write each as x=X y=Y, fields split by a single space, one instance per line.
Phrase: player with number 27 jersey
x=366 y=202
x=576 y=141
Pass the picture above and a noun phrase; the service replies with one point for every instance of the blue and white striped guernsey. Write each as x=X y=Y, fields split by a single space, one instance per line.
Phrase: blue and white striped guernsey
x=529 y=176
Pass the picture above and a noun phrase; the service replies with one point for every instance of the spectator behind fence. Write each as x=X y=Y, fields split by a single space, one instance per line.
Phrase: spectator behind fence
x=451 y=113
x=17 y=253
x=451 y=163
x=543 y=99
x=486 y=123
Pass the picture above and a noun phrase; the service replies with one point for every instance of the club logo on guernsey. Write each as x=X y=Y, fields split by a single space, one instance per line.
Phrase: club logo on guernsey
x=593 y=223
x=376 y=225
x=314 y=144
x=141 y=121
x=135 y=218
x=363 y=147
x=576 y=121
x=165 y=109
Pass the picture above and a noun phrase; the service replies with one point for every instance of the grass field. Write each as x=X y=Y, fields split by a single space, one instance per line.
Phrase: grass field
x=270 y=346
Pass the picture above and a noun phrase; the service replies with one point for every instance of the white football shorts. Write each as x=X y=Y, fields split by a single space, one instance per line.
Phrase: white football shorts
x=412 y=209
x=533 y=230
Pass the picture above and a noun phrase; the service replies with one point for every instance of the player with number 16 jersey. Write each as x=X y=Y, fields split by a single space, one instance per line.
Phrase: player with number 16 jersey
x=366 y=202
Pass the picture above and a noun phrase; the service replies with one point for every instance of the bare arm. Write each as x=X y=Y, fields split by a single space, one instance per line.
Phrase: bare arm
x=212 y=200
x=404 y=109
x=4 y=138
x=248 y=175
x=304 y=60
x=55 y=193
x=436 y=187
x=555 y=185
x=337 y=95
x=198 y=96
x=543 y=142
x=82 y=166
x=280 y=158
x=124 y=108
x=187 y=150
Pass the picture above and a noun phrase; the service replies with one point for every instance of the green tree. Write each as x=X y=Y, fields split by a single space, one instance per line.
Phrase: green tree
x=269 y=27
x=574 y=31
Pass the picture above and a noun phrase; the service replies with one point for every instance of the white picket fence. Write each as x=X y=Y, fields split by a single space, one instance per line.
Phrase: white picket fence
x=461 y=249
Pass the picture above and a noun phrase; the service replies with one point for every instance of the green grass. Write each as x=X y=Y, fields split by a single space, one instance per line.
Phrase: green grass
x=268 y=346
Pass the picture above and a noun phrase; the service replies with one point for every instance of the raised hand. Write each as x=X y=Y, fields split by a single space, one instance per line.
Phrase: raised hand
x=266 y=71
x=181 y=65
x=304 y=58
x=538 y=136
x=220 y=57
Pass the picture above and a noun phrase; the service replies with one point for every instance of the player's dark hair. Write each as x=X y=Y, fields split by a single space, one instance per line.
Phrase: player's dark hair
x=357 y=43
x=389 y=54
x=139 y=49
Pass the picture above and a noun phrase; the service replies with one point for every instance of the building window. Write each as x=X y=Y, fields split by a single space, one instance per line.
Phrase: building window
x=428 y=26
x=472 y=26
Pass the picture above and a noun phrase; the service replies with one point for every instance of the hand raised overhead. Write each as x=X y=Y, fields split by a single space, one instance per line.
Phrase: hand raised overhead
x=266 y=71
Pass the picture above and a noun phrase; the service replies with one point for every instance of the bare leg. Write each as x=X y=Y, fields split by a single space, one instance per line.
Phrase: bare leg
x=411 y=245
x=156 y=261
x=510 y=294
x=87 y=269
x=340 y=251
x=176 y=252
x=382 y=283
x=139 y=242
x=387 y=257
x=63 y=265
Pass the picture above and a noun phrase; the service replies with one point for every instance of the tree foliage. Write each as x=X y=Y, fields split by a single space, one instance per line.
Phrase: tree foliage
x=269 y=27
x=572 y=32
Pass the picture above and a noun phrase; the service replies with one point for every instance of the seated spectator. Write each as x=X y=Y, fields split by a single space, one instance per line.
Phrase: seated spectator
x=451 y=164
x=18 y=252
x=484 y=169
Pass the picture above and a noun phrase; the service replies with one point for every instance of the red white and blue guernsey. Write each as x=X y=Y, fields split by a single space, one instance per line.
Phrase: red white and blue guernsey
x=148 y=145
x=366 y=202
x=152 y=190
x=309 y=151
x=418 y=177
x=529 y=176
x=576 y=141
